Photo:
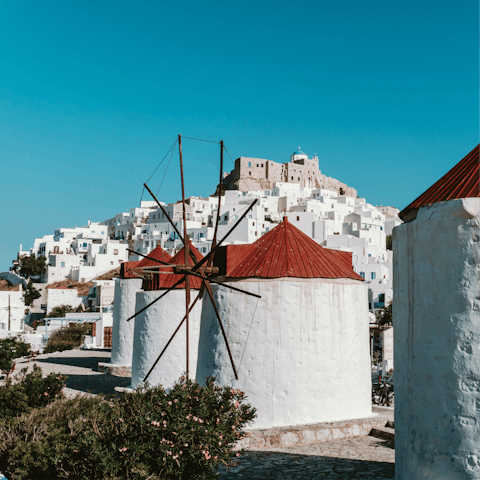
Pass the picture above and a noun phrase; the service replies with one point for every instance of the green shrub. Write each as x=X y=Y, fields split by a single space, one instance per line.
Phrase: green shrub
x=11 y=348
x=33 y=445
x=185 y=433
x=66 y=338
x=28 y=391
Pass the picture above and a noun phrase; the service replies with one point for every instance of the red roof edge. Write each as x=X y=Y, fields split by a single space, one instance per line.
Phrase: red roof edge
x=462 y=181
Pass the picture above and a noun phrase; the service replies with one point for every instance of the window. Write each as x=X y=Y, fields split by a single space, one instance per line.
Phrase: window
x=226 y=217
x=115 y=251
x=298 y=219
x=381 y=298
x=369 y=240
x=62 y=264
x=249 y=164
x=250 y=173
x=249 y=216
x=257 y=164
x=85 y=245
x=362 y=274
x=253 y=223
x=298 y=178
x=262 y=164
x=292 y=178
x=111 y=263
x=373 y=275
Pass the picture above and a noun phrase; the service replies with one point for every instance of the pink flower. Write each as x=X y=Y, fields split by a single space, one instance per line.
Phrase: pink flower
x=46 y=393
x=238 y=454
x=169 y=403
x=215 y=457
x=220 y=444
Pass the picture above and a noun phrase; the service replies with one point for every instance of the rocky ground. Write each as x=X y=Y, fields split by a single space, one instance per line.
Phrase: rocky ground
x=358 y=458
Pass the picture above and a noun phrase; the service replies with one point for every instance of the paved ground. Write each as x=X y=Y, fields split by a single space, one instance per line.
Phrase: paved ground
x=365 y=458
x=80 y=366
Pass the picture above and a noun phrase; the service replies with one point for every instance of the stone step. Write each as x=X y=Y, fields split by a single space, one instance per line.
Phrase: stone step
x=313 y=433
x=386 y=433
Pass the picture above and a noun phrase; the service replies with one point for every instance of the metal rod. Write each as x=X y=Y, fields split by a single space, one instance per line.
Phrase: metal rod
x=165 y=212
x=209 y=279
x=212 y=251
x=174 y=333
x=210 y=294
x=151 y=258
x=157 y=299
x=186 y=244
x=220 y=183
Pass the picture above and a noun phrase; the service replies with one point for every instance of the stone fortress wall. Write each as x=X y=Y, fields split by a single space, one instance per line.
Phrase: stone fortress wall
x=261 y=174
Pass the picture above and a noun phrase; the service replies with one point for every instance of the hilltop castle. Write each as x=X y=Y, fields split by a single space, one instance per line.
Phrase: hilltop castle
x=261 y=174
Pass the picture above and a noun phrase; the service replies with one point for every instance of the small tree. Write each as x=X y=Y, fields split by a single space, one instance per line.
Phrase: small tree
x=31 y=294
x=32 y=266
x=11 y=348
x=385 y=318
x=60 y=311
x=389 y=241
x=67 y=338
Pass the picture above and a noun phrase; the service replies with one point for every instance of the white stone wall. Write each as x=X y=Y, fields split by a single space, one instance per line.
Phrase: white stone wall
x=124 y=307
x=153 y=329
x=436 y=315
x=301 y=351
x=62 y=296
x=17 y=311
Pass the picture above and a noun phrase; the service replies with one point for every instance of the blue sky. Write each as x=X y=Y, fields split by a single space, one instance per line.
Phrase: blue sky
x=94 y=93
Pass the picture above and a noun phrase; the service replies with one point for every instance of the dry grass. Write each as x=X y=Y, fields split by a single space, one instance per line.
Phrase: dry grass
x=109 y=275
x=6 y=286
x=82 y=288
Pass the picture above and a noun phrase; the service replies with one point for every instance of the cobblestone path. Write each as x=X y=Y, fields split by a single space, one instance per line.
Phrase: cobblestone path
x=366 y=458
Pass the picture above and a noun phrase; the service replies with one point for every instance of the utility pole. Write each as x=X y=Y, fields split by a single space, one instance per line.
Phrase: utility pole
x=9 y=309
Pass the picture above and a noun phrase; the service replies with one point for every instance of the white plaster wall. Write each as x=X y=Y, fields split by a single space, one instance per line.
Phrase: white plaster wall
x=124 y=307
x=301 y=351
x=436 y=316
x=62 y=296
x=17 y=311
x=153 y=329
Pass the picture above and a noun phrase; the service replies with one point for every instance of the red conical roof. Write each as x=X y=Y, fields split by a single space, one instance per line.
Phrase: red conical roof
x=159 y=253
x=286 y=251
x=127 y=270
x=462 y=181
x=166 y=278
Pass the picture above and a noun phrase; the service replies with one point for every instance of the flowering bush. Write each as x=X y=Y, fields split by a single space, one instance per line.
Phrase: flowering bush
x=28 y=391
x=11 y=348
x=185 y=433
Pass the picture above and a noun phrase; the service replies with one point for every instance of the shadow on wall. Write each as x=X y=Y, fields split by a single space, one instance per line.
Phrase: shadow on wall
x=275 y=465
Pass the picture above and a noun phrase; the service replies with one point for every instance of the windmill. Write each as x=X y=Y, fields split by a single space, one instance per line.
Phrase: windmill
x=192 y=267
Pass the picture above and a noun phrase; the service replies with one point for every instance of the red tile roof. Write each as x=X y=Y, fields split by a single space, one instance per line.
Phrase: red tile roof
x=126 y=270
x=286 y=251
x=159 y=253
x=462 y=181
x=166 y=278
